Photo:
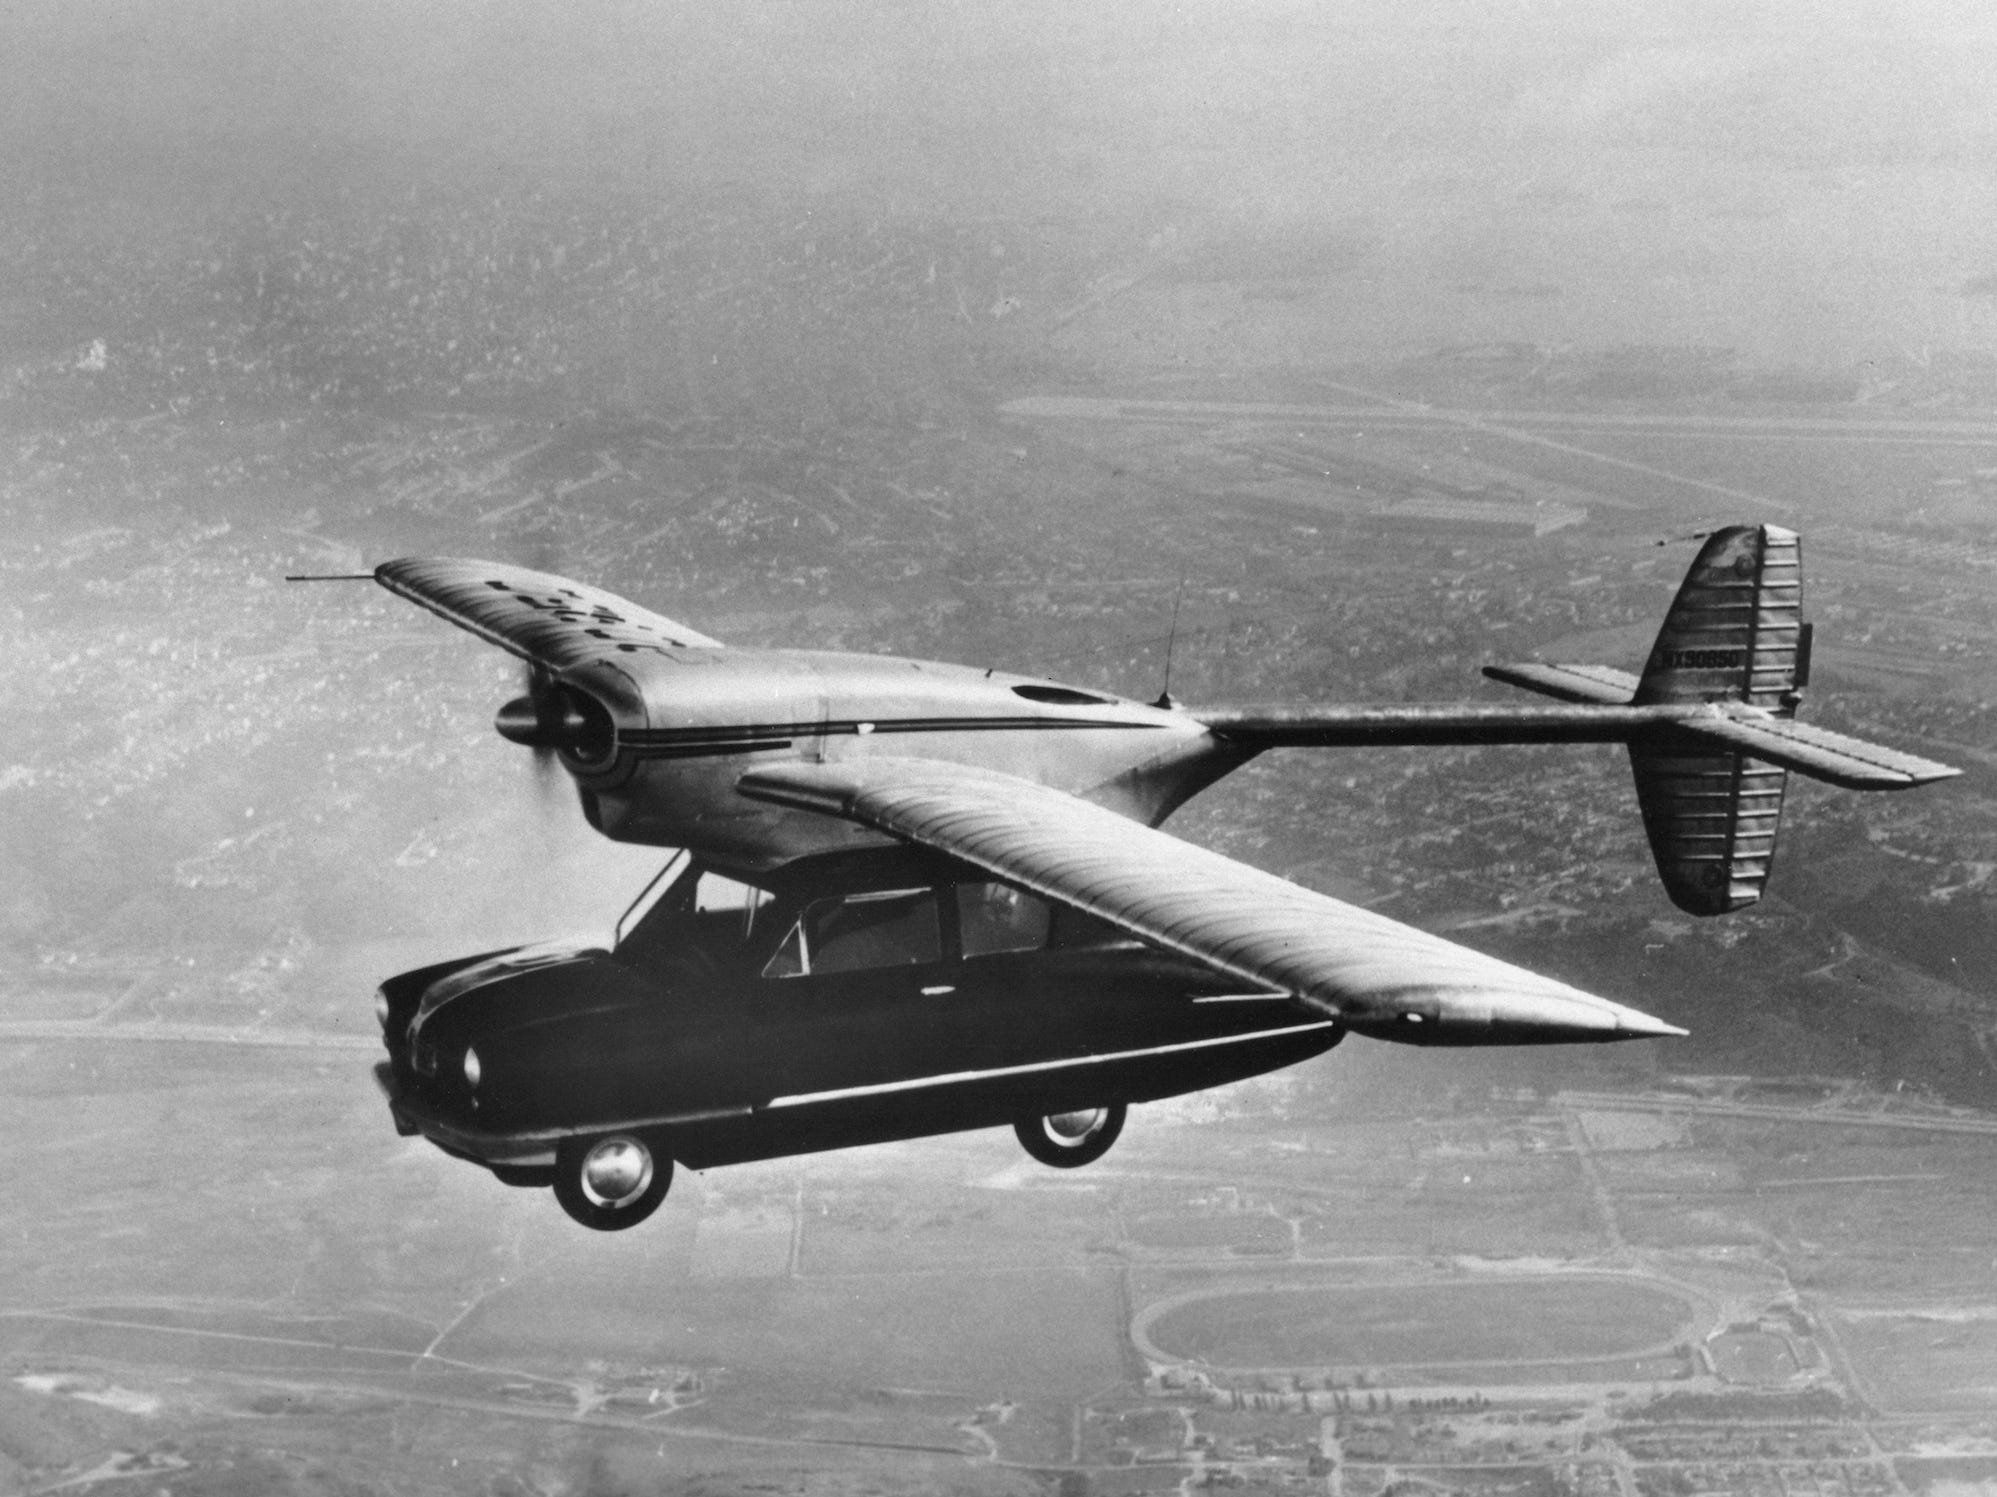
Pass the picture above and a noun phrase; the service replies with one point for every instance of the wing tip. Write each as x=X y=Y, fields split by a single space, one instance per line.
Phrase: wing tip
x=1633 y=1025
x=1550 y=1014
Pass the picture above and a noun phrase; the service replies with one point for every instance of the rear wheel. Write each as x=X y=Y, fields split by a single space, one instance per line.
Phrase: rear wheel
x=1068 y=1140
x=610 y=1181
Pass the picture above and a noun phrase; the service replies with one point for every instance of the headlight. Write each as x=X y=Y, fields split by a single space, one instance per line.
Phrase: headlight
x=471 y=1069
x=381 y=1009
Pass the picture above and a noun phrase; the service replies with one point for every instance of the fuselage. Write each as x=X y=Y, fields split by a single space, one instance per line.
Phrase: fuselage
x=689 y=722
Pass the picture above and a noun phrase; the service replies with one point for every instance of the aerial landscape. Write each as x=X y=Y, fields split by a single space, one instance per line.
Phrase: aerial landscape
x=1261 y=353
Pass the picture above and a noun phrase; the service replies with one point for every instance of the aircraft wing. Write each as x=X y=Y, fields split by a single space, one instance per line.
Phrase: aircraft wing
x=547 y=620
x=1377 y=976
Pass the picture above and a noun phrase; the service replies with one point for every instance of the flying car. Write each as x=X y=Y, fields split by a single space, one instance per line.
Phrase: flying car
x=907 y=898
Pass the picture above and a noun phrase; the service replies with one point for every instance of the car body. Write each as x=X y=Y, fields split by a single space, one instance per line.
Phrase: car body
x=854 y=1000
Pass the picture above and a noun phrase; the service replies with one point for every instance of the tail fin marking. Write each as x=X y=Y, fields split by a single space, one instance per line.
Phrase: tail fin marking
x=1735 y=630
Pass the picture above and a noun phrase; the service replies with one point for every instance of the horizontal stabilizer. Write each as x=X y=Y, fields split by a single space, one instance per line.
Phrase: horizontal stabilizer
x=1600 y=684
x=1817 y=752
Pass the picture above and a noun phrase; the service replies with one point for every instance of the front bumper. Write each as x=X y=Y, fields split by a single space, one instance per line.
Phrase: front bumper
x=529 y=1148
x=413 y=1115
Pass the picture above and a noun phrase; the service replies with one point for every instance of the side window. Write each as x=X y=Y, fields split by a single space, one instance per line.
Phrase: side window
x=861 y=932
x=995 y=918
x=719 y=892
x=1072 y=928
x=723 y=904
x=789 y=960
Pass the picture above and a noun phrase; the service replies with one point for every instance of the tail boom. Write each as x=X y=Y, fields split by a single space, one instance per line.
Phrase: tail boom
x=1429 y=724
x=1694 y=727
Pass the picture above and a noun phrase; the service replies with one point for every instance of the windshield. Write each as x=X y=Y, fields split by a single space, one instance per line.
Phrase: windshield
x=692 y=913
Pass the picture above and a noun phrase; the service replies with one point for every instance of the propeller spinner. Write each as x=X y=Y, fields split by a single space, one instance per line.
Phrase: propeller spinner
x=553 y=718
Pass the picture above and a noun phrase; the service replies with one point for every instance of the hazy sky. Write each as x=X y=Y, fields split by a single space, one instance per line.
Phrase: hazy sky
x=1813 y=182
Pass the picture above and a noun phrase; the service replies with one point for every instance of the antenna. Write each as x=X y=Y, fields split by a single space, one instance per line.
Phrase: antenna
x=1165 y=697
x=329 y=577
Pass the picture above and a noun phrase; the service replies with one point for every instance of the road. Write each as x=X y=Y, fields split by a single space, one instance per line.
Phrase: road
x=233 y=1037
x=1409 y=413
x=1833 y=1117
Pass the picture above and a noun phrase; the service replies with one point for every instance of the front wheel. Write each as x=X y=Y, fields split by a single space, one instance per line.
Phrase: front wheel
x=1068 y=1140
x=610 y=1181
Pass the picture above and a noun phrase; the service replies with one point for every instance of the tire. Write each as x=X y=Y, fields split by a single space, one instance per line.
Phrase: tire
x=610 y=1181
x=1069 y=1140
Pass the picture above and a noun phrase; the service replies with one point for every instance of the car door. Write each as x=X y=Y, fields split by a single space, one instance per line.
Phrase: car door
x=858 y=992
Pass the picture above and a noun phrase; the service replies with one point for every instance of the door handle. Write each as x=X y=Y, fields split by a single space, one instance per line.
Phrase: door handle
x=939 y=991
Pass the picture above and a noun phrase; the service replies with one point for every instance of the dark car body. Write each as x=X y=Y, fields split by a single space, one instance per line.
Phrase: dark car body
x=855 y=1000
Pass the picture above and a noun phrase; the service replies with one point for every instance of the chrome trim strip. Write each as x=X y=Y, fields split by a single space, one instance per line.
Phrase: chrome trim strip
x=959 y=1078
x=727 y=741
x=528 y=1145
x=724 y=735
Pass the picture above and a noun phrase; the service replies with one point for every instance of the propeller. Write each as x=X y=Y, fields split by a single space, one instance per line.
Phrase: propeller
x=541 y=718
x=552 y=718
x=535 y=721
x=560 y=725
